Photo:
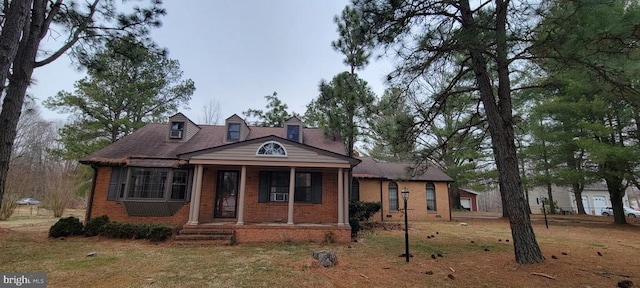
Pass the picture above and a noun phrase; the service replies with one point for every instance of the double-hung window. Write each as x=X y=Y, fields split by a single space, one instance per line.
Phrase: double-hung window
x=393 y=196
x=233 y=132
x=431 y=197
x=293 y=132
x=274 y=187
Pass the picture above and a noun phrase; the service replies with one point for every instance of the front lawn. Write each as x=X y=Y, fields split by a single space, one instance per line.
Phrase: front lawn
x=475 y=255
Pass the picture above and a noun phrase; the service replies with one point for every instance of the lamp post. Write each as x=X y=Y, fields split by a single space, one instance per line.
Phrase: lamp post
x=405 y=197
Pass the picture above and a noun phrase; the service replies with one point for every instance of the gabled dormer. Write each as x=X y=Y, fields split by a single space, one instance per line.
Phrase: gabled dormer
x=293 y=129
x=235 y=129
x=181 y=128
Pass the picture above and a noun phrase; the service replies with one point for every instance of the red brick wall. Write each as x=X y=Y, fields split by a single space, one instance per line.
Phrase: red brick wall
x=255 y=212
x=472 y=197
x=115 y=210
x=327 y=212
x=283 y=233
x=207 y=196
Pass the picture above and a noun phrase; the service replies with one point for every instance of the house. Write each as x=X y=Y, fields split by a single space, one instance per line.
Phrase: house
x=595 y=197
x=469 y=199
x=383 y=182
x=266 y=184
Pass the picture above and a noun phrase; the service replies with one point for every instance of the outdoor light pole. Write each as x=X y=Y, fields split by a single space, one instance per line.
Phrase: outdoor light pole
x=405 y=197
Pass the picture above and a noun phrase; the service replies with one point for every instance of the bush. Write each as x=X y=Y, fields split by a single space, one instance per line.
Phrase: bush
x=102 y=226
x=153 y=232
x=69 y=226
x=363 y=210
x=96 y=226
x=158 y=233
x=121 y=230
x=355 y=225
x=330 y=237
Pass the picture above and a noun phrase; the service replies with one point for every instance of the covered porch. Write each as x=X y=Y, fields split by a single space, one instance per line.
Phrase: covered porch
x=251 y=200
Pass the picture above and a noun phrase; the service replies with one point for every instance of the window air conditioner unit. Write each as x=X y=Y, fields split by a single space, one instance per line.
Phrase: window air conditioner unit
x=279 y=197
x=175 y=134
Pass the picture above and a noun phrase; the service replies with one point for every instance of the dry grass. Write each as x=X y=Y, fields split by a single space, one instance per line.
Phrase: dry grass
x=371 y=262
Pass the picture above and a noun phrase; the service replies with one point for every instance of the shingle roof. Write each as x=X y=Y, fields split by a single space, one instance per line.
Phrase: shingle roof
x=150 y=143
x=370 y=168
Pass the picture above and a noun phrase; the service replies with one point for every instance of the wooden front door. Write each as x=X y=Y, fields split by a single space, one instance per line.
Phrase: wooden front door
x=226 y=194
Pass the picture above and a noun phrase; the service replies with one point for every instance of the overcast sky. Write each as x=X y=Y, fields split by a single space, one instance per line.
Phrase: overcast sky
x=237 y=52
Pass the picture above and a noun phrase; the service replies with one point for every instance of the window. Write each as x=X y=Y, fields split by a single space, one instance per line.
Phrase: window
x=233 y=132
x=431 y=197
x=355 y=191
x=177 y=129
x=303 y=187
x=149 y=183
x=179 y=184
x=293 y=133
x=272 y=149
x=279 y=186
x=274 y=187
x=114 y=183
x=393 y=196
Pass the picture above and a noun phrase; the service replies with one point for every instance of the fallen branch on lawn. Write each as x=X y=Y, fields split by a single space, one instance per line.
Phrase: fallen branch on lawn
x=543 y=275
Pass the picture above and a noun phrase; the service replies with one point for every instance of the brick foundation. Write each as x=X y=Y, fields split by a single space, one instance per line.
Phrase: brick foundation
x=291 y=233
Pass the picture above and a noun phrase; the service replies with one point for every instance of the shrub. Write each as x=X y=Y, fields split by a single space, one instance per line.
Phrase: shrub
x=330 y=237
x=153 y=232
x=69 y=226
x=121 y=230
x=8 y=205
x=158 y=233
x=96 y=226
x=363 y=210
x=355 y=225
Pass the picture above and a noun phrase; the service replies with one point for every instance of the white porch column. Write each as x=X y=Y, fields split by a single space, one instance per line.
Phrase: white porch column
x=196 y=193
x=340 y=197
x=292 y=190
x=243 y=185
x=346 y=197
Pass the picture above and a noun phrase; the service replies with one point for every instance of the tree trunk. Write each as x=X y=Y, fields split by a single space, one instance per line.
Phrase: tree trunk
x=454 y=195
x=10 y=37
x=552 y=206
x=500 y=122
x=577 y=192
x=616 y=192
x=524 y=186
x=23 y=65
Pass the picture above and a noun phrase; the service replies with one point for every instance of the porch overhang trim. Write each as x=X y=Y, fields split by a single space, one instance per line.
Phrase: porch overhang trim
x=270 y=163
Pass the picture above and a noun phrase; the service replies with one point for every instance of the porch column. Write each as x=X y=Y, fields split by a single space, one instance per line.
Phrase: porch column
x=196 y=192
x=243 y=185
x=346 y=196
x=292 y=190
x=340 y=197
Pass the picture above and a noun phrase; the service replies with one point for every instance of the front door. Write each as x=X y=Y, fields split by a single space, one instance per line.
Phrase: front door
x=226 y=194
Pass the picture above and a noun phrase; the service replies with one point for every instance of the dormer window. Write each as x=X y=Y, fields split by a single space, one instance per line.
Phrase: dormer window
x=177 y=130
x=293 y=132
x=271 y=149
x=233 y=132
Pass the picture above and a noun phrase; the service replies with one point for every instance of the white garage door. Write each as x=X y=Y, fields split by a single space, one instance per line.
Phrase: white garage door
x=599 y=202
x=465 y=203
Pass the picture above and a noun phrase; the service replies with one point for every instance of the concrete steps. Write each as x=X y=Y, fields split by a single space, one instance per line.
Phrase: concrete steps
x=205 y=235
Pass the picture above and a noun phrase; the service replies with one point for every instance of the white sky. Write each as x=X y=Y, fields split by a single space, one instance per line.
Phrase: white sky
x=237 y=52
